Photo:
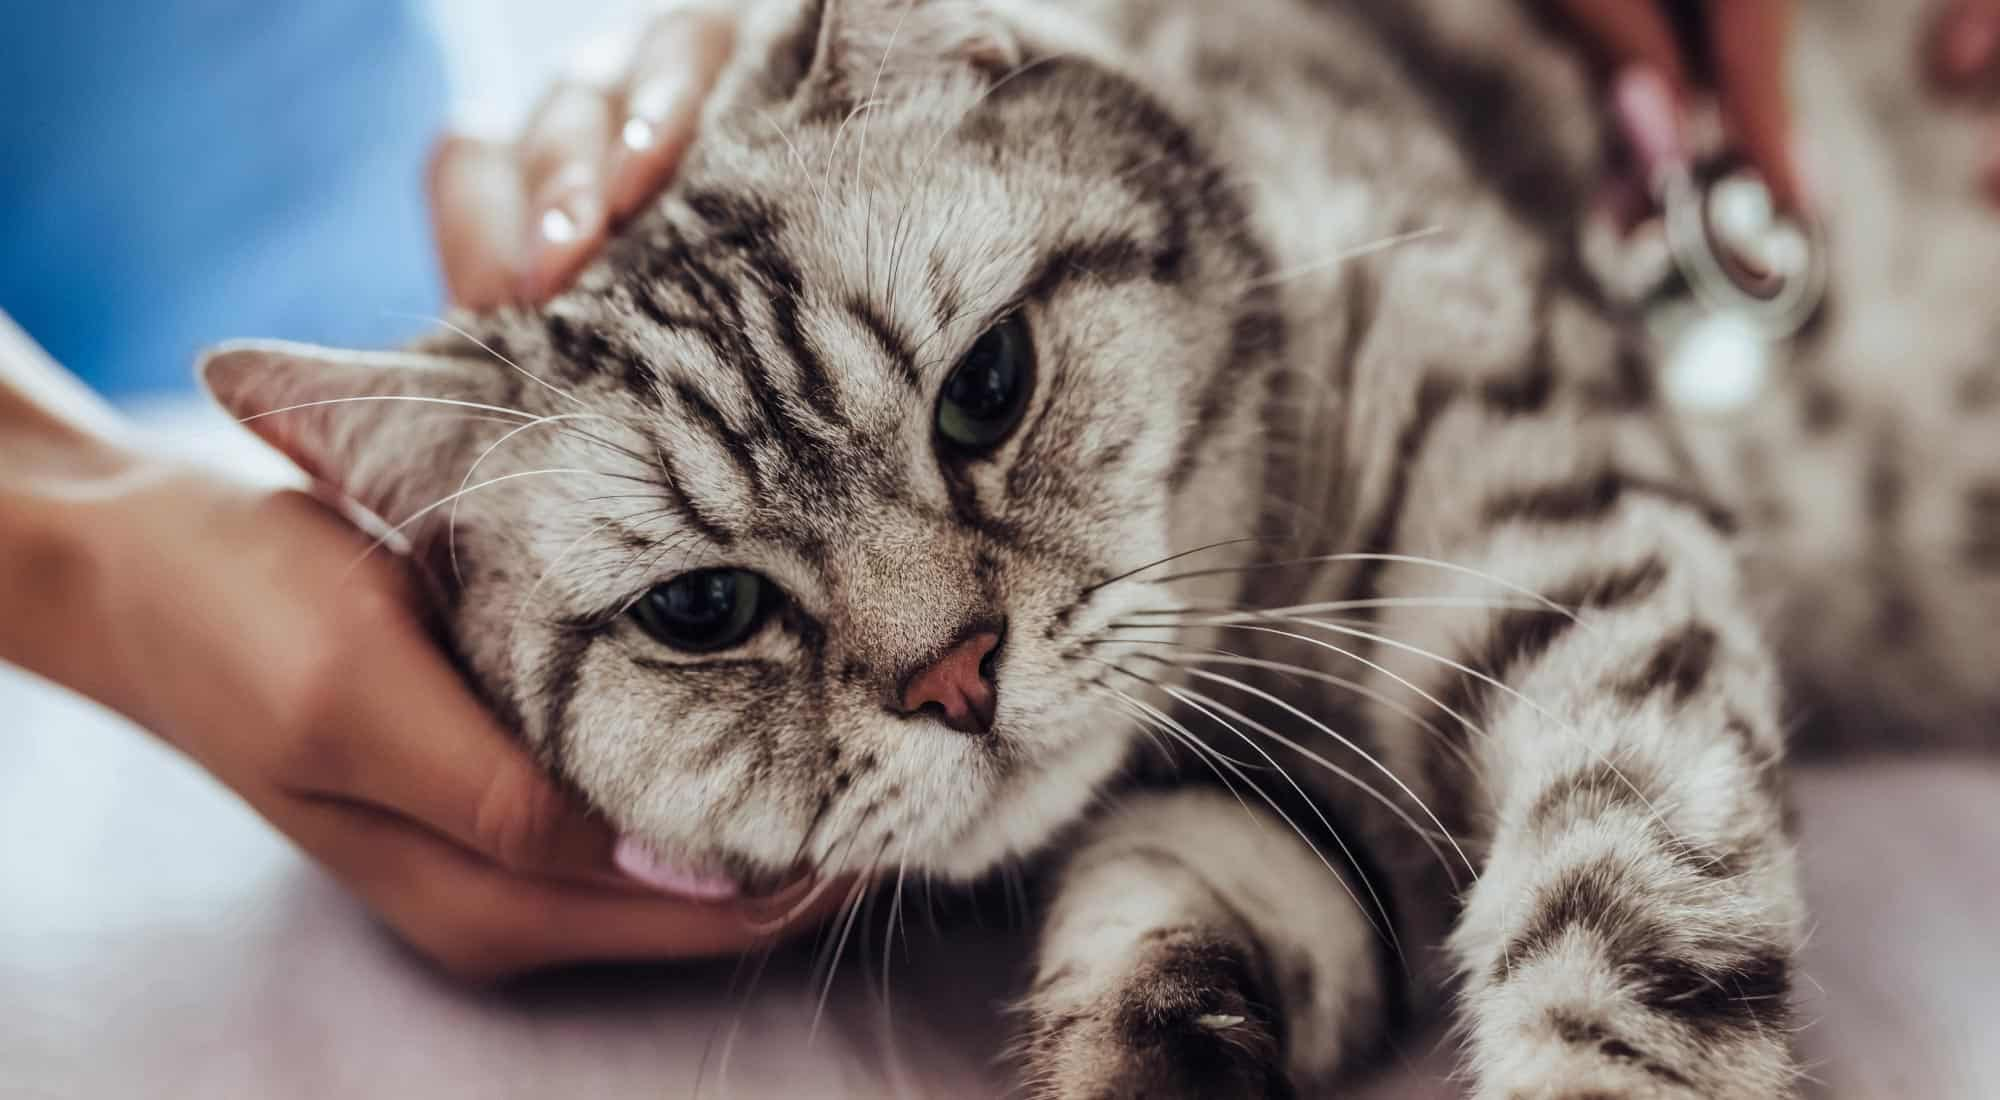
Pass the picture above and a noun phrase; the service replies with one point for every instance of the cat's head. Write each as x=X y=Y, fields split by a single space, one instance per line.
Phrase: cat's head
x=794 y=536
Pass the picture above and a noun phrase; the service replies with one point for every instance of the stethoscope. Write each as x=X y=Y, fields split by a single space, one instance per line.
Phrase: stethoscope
x=1737 y=254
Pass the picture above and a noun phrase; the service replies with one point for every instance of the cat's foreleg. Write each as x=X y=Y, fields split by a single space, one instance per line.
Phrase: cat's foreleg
x=1633 y=929
x=1197 y=947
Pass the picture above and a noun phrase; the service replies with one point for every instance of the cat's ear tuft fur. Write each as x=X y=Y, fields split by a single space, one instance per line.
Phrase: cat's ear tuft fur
x=387 y=429
x=872 y=49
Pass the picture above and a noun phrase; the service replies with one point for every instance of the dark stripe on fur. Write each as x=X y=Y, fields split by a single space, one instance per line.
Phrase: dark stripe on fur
x=1604 y=899
x=895 y=343
x=1108 y=262
x=710 y=419
x=1678 y=665
x=1981 y=548
x=1434 y=395
x=1519 y=637
x=711 y=527
x=1578 y=1031
x=589 y=351
x=1257 y=335
x=1596 y=496
x=562 y=670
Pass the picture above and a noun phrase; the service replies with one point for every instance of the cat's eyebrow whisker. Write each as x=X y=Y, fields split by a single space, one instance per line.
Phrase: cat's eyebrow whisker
x=895 y=34
x=1345 y=742
x=527 y=601
x=488 y=349
x=819 y=196
x=451 y=523
x=840 y=133
x=945 y=131
x=1380 y=244
x=407 y=521
x=416 y=398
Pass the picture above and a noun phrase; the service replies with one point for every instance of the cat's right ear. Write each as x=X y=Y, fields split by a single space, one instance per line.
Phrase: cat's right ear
x=866 y=49
x=390 y=430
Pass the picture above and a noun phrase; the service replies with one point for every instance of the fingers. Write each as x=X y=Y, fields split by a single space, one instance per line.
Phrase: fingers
x=481 y=923
x=672 y=72
x=516 y=222
x=398 y=728
x=562 y=158
x=477 y=210
x=1748 y=42
x=1628 y=34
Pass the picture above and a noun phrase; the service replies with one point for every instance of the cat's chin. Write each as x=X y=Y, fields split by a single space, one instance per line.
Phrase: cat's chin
x=1031 y=807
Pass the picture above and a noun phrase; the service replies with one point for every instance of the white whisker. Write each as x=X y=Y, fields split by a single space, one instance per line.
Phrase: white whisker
x=451 y=523
x=1384 y=929
x=1335 y=769
x=389 y=397
x=488 y=349
x=1338 y=258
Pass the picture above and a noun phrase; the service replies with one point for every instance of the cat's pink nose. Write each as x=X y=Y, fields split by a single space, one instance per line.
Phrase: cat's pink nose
x=958 y=687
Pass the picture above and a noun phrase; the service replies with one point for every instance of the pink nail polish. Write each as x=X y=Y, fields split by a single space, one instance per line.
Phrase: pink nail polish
x=1650 y=119
x=640 y=863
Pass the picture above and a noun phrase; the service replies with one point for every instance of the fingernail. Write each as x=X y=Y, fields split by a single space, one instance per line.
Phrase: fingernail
x=1970 y=42
x=569 y=211
x=648 y=109
x=640 y=863
x=1651 y=120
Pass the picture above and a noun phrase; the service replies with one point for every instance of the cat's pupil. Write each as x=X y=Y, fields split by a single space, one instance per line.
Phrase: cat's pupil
x=701 y=601
x=987 y=391
x=985 y=384
x=709 y=609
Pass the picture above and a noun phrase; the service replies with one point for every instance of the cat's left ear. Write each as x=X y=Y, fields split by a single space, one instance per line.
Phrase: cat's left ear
x=393 y=431
x=872 y=48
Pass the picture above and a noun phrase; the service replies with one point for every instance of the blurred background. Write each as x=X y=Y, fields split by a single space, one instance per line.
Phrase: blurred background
x=182 y=173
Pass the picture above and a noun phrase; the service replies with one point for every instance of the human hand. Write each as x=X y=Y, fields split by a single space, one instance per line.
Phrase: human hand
x=1737 y=54
x=1964 y=62
x=515 y=220
x=256 y=632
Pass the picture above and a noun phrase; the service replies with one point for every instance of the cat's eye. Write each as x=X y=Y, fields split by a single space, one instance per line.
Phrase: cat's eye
x=987 y=391
x=706 y=610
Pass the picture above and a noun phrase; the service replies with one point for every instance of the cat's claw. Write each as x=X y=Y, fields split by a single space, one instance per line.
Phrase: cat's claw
x=1189 y=1023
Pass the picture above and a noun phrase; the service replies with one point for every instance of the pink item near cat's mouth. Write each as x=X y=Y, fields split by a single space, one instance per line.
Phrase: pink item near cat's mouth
x=641 y=863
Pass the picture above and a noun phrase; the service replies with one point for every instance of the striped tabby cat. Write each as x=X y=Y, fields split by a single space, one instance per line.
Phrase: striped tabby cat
x=1179 y=442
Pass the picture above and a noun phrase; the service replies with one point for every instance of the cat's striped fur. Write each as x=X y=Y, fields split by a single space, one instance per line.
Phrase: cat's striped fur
x=1392 y=548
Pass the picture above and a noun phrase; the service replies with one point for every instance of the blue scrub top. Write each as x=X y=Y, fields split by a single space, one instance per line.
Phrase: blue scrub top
x=177 y=172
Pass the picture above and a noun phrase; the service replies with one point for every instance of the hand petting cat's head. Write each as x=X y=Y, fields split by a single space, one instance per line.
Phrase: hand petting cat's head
x=789 y=536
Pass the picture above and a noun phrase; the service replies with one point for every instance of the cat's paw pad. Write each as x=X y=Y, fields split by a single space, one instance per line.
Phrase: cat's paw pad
x=1188 y=1021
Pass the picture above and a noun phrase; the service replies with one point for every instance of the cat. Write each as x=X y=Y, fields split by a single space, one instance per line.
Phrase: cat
x=1180 y=444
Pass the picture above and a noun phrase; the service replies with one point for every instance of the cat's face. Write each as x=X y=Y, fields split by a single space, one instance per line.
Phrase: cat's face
x=813 y=563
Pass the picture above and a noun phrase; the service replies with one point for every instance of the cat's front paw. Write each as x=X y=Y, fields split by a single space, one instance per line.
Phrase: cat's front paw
x=1186 y=1022
x=1587 y=1063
